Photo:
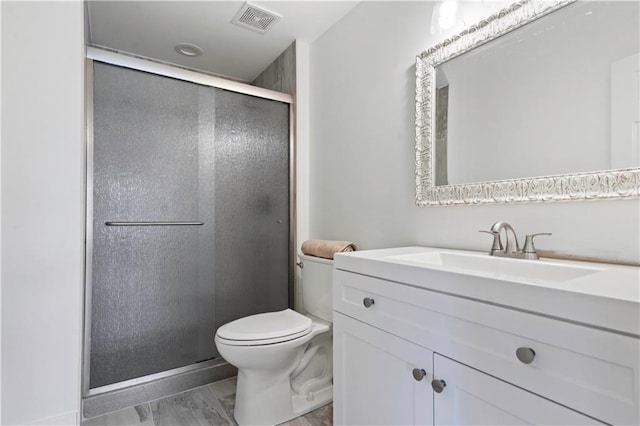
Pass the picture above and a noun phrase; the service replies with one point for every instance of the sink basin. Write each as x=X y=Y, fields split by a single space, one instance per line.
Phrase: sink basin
x=473 y=263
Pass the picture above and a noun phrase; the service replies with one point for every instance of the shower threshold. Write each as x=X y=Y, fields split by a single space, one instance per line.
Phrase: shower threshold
x=114 y=397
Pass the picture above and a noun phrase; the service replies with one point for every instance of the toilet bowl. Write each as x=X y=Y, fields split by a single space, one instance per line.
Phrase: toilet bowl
x=284 y=358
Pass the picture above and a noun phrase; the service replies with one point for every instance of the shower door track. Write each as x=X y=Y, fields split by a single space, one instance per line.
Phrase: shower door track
x=173 y=223
x=150 y=66
x=151 y=377
x=165 y=70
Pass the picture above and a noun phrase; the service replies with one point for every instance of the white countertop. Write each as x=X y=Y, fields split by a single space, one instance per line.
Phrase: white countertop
x=608 y=299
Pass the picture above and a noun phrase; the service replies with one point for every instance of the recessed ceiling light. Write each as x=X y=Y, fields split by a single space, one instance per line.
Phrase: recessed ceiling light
x=188 y=49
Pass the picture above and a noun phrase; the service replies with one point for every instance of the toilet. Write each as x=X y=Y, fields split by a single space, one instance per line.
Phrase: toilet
x=284 y=358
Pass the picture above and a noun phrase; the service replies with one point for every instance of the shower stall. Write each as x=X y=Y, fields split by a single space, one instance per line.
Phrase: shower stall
x=189 y=216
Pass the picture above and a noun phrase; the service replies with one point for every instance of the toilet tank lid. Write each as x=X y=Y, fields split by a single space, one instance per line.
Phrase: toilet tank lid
x=269 y=325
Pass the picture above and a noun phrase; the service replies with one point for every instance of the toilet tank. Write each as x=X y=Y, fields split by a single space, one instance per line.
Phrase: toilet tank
x=316 y=283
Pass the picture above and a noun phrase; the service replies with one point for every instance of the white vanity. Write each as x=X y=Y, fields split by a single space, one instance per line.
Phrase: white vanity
x=434 y=336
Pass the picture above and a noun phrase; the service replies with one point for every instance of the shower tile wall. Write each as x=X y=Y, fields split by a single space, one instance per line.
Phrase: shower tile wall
x=280 y=75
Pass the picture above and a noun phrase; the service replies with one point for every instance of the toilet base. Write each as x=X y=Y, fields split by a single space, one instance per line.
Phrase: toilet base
x=274 y=396
x=275 y=404
x=272 y=411
x=320 y=398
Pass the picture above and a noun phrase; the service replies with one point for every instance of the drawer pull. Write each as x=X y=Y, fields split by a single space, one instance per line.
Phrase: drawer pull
x=525 y=355
x=438 y=385
x=418 y=374
x=368 y=302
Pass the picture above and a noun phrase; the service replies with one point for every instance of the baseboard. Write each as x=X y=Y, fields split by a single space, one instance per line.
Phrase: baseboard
x=66 y=419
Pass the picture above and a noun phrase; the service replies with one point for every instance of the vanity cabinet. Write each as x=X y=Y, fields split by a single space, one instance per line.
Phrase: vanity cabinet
x=384 y=380
x=499 y=365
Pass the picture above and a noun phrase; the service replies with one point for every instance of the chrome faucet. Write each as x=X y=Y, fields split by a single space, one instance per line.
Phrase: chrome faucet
x=511 y=248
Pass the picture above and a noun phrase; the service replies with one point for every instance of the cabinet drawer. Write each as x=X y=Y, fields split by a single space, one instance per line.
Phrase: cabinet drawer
x=592 y=371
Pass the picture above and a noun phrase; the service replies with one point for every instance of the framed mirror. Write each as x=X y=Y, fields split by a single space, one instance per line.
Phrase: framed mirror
x=539 y=102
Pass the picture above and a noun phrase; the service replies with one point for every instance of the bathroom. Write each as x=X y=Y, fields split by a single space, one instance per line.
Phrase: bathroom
x=355 y=177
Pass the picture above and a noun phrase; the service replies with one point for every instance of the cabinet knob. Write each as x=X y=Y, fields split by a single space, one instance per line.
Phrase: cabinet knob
x=525 y=355
x=368 y=302
x=438 y=385
x=418 y=374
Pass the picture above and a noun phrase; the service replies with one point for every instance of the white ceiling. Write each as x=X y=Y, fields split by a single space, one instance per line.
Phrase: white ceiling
x=153 y=28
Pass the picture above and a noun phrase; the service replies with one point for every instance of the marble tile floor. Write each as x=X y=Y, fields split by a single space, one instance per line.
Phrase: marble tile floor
x=210 y=405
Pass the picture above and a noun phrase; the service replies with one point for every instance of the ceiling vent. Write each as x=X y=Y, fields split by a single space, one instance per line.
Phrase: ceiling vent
x=255 y=18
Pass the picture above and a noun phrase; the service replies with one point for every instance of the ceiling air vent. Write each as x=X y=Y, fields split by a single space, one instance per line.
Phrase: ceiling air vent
x=255 y=18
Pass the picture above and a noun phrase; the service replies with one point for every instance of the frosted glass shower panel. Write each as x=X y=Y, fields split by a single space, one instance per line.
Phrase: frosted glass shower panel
x=153 y=287
x=252 y=206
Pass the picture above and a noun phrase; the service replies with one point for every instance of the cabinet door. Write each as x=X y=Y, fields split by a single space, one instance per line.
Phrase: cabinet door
x=471 y=397
x=373 y=377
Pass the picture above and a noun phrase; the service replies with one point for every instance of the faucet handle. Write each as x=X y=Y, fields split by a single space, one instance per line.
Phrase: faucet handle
x=529 y=248
x=497 y=243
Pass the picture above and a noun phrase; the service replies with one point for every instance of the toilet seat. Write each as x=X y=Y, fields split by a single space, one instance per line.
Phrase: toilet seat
x=265 y=329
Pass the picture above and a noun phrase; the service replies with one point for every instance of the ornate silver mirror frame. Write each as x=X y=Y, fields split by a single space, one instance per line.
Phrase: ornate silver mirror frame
x=620 y=183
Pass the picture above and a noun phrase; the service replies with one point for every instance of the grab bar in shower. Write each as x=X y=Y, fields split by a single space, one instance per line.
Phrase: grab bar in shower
x=154 y=223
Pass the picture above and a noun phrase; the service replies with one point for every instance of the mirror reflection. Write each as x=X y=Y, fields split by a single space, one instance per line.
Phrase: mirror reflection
x=558 y=95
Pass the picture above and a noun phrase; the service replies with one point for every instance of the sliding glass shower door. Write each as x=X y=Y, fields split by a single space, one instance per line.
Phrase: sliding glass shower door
x=190 y=219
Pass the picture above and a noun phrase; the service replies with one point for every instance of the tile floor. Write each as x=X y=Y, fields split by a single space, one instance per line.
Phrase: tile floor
x=210 y=405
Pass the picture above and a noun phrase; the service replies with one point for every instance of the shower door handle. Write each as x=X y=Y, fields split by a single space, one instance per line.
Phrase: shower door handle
x=154 y=223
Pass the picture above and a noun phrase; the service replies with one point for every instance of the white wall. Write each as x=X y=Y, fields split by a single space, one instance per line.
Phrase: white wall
x=302 y=102
x=0 y=217
x=42 y=210
x=362 y=152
